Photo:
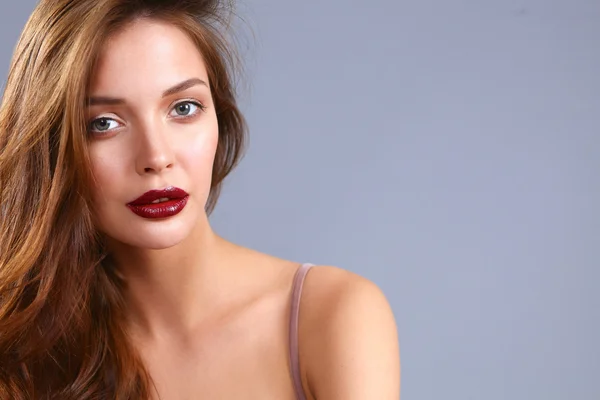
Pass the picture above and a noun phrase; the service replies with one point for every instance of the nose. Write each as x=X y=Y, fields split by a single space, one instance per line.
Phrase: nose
x=155 y=152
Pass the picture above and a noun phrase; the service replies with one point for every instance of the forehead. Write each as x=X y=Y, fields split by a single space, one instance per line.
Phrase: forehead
x=146 y=55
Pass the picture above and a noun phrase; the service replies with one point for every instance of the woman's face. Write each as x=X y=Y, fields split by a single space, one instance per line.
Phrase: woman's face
x=152 y=130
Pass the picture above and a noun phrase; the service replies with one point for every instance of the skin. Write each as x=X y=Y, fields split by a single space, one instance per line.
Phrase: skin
x=208 y=316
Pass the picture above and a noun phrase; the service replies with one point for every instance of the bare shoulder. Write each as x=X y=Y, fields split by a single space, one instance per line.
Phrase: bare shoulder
x=348 y=338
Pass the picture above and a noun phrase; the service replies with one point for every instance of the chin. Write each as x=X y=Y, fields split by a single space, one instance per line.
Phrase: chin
x=149 y=238
x=151 y=235
x=157 y=242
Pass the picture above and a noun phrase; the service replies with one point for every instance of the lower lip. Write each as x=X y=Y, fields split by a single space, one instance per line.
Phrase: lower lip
x=160 y=210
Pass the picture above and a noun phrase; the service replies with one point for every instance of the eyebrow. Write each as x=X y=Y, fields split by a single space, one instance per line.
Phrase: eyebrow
x=180 y=87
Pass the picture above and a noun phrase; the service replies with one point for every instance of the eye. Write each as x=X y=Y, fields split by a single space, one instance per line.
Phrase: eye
x=101 y=125
x=186 y=109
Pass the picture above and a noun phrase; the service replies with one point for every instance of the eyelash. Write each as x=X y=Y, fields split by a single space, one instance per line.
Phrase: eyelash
x=201 y=108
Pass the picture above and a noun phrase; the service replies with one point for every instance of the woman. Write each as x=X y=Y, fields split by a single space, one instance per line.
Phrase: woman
x=117 y=127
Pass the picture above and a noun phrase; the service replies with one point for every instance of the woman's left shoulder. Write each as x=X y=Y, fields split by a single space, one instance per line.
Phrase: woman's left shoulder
x=331 y=291
x=349 y=341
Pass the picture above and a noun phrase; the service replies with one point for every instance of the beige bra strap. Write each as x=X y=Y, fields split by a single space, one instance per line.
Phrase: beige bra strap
x=294 y=316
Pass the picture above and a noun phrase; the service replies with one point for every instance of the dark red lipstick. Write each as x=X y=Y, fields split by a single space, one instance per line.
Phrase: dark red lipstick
x=160 y=203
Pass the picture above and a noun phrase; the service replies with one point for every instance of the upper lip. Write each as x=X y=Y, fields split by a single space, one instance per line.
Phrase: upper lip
x=171 y=193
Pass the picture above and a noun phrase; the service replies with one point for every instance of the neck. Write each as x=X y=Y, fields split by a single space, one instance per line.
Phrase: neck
x=170 y=291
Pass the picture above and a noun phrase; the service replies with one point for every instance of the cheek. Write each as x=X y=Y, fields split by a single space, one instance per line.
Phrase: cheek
x=107 y=168
x=198 y=154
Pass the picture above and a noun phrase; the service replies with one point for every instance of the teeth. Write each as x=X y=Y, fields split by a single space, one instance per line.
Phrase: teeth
x=161 y=200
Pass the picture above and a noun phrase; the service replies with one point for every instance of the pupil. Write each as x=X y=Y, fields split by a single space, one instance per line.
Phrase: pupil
x=102 y=123
x=183 y=108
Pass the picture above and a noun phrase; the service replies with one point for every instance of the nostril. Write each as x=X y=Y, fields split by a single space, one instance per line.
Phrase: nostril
x=157 y=168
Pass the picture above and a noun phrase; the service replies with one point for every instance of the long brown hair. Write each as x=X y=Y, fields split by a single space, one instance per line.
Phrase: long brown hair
x=62 y=332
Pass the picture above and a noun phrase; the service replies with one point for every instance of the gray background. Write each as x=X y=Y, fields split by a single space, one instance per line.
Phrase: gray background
x=448 y=151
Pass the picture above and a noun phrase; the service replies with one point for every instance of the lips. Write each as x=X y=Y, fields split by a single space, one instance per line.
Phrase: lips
x=159 y=203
